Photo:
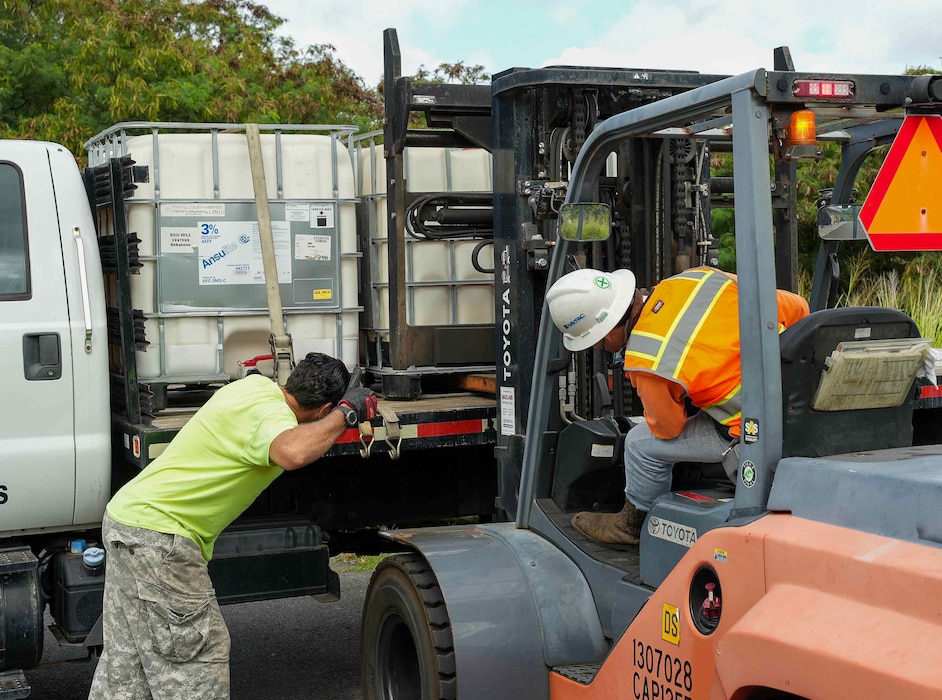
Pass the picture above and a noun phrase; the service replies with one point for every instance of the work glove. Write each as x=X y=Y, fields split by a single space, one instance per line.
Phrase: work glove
x=361 y=400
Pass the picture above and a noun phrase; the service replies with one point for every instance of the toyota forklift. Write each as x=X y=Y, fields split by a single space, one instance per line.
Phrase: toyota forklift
x=817 y=573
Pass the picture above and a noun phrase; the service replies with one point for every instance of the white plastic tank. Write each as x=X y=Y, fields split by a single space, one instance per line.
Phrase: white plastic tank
x=442 y=285
x=201 y=286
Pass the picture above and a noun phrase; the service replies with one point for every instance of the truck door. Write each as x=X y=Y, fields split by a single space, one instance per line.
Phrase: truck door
x=37 y=440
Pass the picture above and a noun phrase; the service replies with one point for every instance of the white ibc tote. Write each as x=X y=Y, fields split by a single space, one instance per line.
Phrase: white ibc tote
x=442 y=286
x=201 y=287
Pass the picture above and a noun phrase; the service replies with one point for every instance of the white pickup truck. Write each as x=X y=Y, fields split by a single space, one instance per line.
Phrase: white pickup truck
x=107 y=348
x=55 y=443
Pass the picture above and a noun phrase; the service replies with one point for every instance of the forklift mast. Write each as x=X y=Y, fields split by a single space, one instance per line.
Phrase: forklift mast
x=661 y=222
x=534 y=123
x=748 y=104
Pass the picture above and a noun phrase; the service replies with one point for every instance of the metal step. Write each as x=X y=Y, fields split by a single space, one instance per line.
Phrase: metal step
x=580 y=673
x=16 y=560
x=13 y=685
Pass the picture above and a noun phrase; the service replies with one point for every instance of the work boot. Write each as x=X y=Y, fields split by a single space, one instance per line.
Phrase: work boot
x=613 y=529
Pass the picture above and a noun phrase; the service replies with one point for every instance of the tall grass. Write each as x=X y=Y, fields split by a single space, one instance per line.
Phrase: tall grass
x=916 y=291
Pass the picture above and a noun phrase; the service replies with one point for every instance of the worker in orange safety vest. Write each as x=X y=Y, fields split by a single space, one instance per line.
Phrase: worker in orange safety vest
x=681 y=343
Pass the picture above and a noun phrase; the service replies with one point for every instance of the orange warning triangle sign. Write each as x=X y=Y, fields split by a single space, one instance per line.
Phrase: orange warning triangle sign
x=903 y=210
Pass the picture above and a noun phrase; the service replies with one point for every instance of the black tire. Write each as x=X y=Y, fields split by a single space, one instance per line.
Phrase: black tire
x=771 y=694
x=407 y=648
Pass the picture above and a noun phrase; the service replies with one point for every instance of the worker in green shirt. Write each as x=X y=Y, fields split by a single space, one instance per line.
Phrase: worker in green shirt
x=164 y=636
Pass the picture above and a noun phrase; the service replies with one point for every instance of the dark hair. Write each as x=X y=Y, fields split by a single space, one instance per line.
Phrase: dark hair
x=318 y=379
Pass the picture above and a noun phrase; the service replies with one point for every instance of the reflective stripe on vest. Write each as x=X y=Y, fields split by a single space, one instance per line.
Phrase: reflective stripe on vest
x=665 y=355
x=729 y=410
x=647 y=345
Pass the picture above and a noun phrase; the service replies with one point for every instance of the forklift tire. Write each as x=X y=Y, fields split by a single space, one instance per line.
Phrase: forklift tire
x=771 y=694
x=405 y=637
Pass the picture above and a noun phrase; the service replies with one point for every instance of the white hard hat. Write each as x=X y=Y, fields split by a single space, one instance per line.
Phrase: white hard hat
x=587 y=304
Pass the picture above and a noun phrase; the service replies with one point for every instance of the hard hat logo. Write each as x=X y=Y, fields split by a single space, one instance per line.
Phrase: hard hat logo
x=574 y=321
x=586 y=304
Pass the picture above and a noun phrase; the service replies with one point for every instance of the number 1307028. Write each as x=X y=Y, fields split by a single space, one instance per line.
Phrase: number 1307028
x=659 y=675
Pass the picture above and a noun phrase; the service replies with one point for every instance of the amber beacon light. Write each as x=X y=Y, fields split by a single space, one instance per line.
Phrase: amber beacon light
x=802 y=131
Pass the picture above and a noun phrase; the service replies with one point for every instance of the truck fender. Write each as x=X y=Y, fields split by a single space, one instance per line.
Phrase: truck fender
x=517 y=605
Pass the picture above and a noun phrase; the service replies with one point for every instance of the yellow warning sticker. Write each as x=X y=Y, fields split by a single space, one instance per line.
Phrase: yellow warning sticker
x=670 y=624
x=720 y=555
x=323 y=294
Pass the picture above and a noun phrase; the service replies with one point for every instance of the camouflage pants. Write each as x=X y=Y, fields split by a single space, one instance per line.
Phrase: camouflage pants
x=164 y=634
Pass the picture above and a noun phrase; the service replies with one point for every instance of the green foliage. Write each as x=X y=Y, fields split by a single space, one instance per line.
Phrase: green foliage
x=70 y=68
x=453 y=73
x=920 y=70
x=723 y=226
x=722 y=220
x=812 y=178
x=913 y=286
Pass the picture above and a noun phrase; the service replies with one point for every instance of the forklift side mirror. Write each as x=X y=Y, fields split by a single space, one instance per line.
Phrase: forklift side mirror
x=585 y=222
x=840 y=223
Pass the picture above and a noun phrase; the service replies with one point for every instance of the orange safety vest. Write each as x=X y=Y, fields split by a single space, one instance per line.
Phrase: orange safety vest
x=688 y=333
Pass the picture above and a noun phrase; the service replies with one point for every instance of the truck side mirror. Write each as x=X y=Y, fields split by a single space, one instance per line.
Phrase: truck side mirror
x=585 y=222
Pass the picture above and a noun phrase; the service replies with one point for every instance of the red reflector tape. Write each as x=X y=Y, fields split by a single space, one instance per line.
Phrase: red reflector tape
x=930 y=392
x=471 y=426
x=456 y=427
x=349 y=435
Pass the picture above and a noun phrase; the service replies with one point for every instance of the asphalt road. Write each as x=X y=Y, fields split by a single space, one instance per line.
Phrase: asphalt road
x=292 y=649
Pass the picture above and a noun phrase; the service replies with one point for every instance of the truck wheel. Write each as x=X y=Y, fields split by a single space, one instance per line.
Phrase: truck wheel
x=405 y=637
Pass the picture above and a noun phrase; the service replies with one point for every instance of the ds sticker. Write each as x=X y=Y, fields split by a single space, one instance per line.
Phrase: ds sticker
x=670 y=624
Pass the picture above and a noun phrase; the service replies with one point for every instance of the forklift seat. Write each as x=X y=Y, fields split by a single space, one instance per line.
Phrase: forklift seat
x=840 y=393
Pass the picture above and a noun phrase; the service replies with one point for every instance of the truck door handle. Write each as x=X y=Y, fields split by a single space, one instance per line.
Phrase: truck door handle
x=83 y=278
x=42 y=357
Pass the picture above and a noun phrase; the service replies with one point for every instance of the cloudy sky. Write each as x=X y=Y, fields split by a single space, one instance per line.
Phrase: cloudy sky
x=711 y=36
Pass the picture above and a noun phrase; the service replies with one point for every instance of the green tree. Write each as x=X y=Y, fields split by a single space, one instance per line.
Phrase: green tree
x=453 y=73
x=459 y=73
x=70 y=68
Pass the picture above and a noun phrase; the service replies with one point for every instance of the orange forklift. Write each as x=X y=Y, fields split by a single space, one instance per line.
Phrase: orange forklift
x=817 y=573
